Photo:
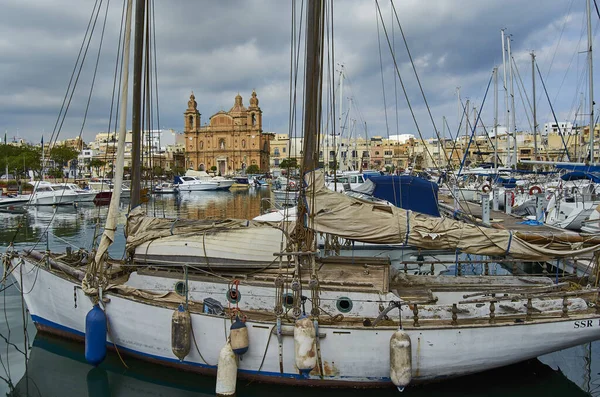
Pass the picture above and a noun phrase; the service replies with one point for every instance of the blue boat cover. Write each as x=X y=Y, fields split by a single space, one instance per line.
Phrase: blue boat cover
x=578 y=175
x=582 y=168
x=404 y=191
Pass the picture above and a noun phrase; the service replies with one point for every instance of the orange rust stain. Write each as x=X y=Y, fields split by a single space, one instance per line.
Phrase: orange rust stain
x=329 y=369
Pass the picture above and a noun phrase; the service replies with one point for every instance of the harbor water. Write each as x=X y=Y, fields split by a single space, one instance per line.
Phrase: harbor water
x=57 y=367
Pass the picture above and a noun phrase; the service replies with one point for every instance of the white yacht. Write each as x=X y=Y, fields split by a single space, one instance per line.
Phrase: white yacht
x=83 y=195
x=45 y=194
x=192 y=184
x=348 y=180
x=573 y=204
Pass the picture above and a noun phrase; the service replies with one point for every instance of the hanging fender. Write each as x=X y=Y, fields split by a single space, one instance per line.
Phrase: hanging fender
x=534 y=190
x=486 y=188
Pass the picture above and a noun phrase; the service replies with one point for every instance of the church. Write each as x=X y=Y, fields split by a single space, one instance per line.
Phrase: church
x=231 y=141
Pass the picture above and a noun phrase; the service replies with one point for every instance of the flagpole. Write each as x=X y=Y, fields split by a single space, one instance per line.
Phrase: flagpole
x=42 y=157
x=6 y=171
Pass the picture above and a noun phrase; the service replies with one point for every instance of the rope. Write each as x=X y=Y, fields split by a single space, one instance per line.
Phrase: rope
x=266 y=348
x=196 y=345
x=113 y=339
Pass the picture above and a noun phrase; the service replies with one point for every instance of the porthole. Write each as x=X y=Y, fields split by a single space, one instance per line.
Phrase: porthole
x=288 y=300
x=180 y=288
x=234 y=295
x=344 y=304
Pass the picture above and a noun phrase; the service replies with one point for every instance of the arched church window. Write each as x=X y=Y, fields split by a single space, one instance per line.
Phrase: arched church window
x=253 y=119
x=243 y=143
x=191 y=121
x=201 y=145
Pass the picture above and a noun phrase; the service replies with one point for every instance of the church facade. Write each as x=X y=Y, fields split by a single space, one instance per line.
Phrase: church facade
x=231 y=141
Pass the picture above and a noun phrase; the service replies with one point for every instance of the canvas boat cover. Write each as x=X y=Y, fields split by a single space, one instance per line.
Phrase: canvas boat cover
x=344 y=216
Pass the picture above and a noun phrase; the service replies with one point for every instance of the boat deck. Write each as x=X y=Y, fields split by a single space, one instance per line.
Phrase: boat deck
x=471 y=212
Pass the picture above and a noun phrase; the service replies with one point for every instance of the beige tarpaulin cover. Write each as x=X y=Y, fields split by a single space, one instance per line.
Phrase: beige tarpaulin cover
x=354 y=219
x=141 y=228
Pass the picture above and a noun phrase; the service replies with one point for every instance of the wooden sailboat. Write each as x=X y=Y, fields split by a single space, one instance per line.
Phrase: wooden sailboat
x=304 y=319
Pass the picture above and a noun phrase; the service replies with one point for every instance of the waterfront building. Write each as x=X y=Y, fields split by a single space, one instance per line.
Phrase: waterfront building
x=230 y=142
x=279 y=148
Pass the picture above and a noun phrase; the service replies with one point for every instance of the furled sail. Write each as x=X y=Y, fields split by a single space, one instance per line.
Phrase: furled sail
x=347 y=217
x=141 y=228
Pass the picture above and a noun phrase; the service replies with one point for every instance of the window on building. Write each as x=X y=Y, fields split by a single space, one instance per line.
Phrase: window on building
x=284 y=151
x=276 y=152
x=376 y=153
x=276 y=162
x=191 y=121
x=253 y=119
x=332 y=153
x=201 y=145
x=243 y=143
x=222 y=144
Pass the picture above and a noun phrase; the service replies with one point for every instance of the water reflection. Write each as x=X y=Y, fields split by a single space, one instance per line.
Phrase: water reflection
x=58 y=368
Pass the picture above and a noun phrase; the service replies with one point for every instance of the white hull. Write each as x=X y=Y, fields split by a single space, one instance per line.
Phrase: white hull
x=351 y=355
x=224 y=184
x=86 y=197
x=53 y=198
x=570 y=215
x=196 y=187
x=10 y=201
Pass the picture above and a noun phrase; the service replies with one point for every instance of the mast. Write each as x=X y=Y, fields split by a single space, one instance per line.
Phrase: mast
x=466 y=143
x=337 y=148
x=507 y=112
x=512 y=104
x=459 y=109
x=579 y=138
x=535 y=145
x=136 y=120
x=439 y=165
x=108 y=236
x=591 y=79
x=312 y=106
x=496 y=119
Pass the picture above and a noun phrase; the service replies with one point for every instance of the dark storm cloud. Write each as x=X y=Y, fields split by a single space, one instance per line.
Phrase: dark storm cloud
x=220 y=48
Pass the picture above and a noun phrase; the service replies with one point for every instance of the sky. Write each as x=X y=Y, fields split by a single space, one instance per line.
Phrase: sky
x=218 y=49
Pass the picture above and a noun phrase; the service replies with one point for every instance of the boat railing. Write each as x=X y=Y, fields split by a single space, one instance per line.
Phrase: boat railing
x=268 y=205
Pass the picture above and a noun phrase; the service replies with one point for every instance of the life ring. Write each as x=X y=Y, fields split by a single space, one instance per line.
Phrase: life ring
x=512 y=197
x=486 y=188
x=520 y=189
x=534 y=190
x=292 y=185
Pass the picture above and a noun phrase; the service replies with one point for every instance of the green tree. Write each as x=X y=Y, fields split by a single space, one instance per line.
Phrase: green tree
x=158 y=171
x=96 y=164
x=289 y=163
x=63 y=154
x=20 y=159
x=178 y=170
x=253 y=169
x=56 y=173
x=213 y=168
